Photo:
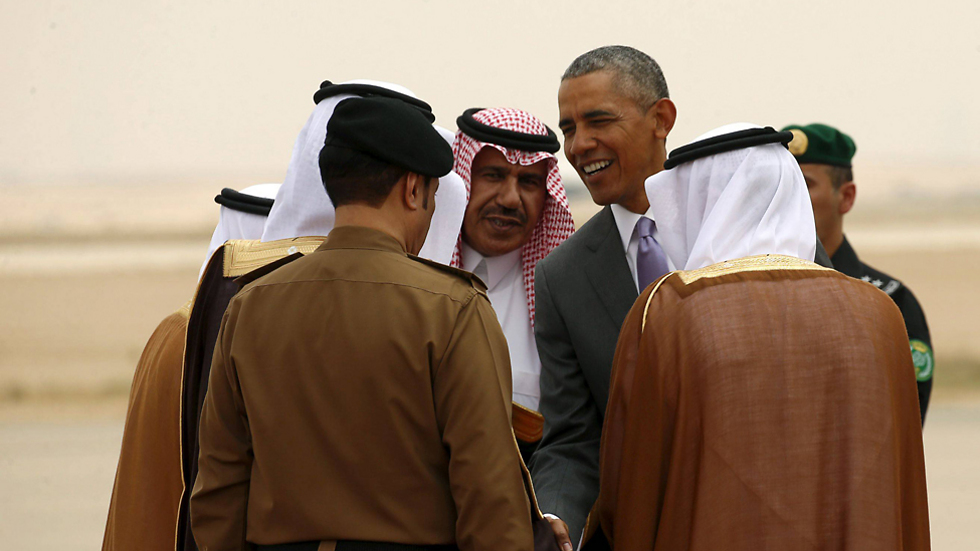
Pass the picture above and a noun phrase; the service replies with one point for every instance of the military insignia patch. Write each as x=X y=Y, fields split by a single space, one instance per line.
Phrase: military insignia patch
x=799 y=143
x=922 y=359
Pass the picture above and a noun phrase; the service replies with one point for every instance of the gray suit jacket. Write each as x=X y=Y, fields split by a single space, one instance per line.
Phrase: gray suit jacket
x=583 y=291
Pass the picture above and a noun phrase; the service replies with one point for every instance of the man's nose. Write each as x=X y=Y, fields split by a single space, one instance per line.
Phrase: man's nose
x=509 y=195
x=578 y=144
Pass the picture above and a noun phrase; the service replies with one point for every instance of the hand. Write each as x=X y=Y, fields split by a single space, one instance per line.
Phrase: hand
x=561 y=532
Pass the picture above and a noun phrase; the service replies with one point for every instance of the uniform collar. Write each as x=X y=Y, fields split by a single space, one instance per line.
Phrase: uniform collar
x=359 y=237
x=497 y=266
x=845 y=260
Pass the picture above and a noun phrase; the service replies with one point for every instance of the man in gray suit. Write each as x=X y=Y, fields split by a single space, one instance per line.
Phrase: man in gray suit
x=615 y=114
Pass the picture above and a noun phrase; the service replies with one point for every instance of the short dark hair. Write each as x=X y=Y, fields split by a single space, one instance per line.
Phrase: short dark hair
x=351 y=176
x=638 y=76
x=839 y=175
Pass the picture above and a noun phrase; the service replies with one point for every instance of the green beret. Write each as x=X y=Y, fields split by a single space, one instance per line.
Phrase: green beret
x=391 y=131
x=819 y=143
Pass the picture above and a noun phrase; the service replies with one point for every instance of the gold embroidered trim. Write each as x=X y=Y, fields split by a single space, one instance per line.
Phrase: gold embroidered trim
x=243 y=256
x=185 y=310
x=646 y=307
x=759 y=263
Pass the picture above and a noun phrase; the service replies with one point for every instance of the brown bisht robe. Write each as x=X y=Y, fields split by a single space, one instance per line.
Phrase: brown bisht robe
x=146 y=493
x=762 y=403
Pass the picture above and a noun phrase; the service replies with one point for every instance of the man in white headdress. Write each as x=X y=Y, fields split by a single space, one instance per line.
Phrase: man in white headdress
x=303 y=209
x=757 y=400
x=299 y=221
x=516 y=214
x=147 y=488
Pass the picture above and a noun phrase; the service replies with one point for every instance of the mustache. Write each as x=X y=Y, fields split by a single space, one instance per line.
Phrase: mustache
x=505 y=213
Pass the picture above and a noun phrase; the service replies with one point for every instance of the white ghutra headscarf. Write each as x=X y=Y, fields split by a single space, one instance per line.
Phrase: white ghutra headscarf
x=731 y=205
x=302 y=207
x=235 y=224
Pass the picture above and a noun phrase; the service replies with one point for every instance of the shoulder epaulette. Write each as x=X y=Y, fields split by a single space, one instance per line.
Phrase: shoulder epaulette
x=478 y=283
x=244 y=256
x=883 y=282
x=892 y=286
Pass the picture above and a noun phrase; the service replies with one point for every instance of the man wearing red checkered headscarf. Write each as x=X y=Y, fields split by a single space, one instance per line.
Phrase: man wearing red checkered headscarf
x=516 y=214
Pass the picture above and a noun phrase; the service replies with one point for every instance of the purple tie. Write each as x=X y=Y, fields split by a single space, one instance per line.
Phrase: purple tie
x=651 y=262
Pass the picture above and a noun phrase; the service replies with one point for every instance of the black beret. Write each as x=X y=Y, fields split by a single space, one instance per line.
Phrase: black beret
x=392 y=131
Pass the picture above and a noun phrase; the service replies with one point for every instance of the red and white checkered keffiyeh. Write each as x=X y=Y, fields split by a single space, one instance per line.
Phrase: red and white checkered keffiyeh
x=555 y=224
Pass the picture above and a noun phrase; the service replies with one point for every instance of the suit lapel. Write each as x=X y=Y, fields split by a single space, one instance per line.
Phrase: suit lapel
x=607 y=269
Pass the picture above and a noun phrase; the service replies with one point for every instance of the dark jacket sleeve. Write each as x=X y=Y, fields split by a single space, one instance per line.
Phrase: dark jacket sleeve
x=915 y=324
x=565 y=468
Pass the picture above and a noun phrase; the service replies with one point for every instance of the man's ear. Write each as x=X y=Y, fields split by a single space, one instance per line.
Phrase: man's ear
x=414 y=191
x=665 y=113
x=848 y=193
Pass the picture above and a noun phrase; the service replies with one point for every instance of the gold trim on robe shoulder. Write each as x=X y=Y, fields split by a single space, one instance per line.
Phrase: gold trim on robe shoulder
x=758 y=263
x=243 y=256
x=185 y=310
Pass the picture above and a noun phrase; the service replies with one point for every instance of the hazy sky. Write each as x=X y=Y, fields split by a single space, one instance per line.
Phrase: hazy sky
x=123 y=91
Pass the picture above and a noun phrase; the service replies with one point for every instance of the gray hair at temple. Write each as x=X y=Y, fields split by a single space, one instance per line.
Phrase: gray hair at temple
x=638 y=76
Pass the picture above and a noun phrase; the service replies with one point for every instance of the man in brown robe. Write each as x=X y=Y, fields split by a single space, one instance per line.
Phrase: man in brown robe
x=360 y=396
x=762 y=402
x=148 y=484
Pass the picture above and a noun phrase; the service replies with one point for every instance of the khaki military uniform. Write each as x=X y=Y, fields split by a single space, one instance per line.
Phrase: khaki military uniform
x=360 y=394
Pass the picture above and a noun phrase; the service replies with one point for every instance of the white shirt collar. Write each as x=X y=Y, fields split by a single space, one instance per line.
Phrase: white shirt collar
x=497 y=266
x=626 y=222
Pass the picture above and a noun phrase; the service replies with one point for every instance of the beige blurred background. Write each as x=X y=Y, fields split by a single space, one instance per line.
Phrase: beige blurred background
x=121 y=120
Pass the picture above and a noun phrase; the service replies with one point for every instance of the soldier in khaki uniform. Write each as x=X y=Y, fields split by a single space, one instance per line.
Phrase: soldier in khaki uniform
x=359 y=396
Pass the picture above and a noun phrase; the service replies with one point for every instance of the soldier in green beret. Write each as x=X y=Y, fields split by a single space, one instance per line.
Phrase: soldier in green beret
x=825 y=154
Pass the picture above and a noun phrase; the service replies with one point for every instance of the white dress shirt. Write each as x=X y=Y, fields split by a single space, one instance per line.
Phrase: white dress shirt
x=504 y=276
x=626 y=224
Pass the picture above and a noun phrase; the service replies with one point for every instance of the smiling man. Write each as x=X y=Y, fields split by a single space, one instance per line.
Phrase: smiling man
x=517 y=213
x=615 y=114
